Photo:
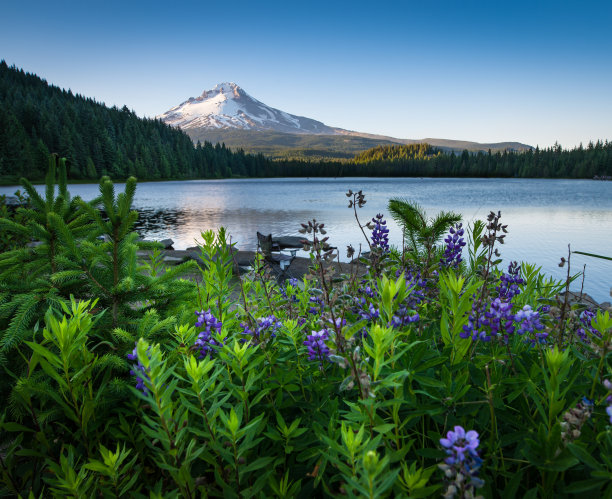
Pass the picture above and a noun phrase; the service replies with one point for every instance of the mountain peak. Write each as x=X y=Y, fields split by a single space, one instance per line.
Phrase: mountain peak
x=227 y=88
x=227 y=106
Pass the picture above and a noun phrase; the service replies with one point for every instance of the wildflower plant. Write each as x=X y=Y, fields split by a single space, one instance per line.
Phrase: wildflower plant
x=380 y=234
x=340 y=384
x=454 y=244
x=207 y=342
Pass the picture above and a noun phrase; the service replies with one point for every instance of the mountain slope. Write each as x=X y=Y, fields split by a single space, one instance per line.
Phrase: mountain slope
x=227 y=106
x=230 y=115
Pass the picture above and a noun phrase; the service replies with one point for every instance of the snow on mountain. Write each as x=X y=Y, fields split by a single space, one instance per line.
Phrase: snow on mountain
x=227 y=106
x=226 y=110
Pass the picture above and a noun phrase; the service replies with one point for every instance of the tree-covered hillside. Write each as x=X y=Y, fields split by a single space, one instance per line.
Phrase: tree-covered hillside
x=424 y=160
x=395 y=153
x=37 y=118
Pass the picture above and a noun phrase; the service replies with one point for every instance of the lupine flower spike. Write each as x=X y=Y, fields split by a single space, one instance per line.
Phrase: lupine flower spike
x=380 y=234
x=462 y=464
x=608 y=386
x=264 y=330
x=206 y=343
x=317 y=349
x=139 y=371
x=454 y=245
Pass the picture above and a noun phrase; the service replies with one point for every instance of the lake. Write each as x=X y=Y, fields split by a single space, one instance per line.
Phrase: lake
x=543 y=215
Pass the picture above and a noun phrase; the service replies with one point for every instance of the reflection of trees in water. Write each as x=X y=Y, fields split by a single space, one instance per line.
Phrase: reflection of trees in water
x=185 y=225
x=151 y=221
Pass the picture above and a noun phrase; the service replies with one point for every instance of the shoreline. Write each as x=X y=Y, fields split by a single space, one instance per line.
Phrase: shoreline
x=299 y=268
x=41 y=182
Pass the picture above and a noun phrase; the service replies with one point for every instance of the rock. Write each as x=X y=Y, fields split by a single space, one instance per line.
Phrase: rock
x=167 y=243
x=583 y=299
x=286 y=242
x=12 y=201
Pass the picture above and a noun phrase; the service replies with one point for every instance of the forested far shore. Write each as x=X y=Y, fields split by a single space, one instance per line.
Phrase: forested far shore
x=37 y=119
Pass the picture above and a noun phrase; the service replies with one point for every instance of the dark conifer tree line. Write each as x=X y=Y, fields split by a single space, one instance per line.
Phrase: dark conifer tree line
x=424 y=160
x=37 y=119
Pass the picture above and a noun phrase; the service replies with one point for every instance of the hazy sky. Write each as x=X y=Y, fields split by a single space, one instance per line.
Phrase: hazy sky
x=535 y=72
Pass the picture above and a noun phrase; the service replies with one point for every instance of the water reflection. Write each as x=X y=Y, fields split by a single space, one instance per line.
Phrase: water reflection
x=543 y=216
x=184 y=226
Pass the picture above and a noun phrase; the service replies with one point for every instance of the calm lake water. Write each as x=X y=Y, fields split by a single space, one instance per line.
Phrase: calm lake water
x=543 y=216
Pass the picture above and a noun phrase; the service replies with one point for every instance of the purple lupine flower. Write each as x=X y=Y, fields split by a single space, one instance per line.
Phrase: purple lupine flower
x=403 y=317
x=339 y=324
x=317 y=349
x=367 y=290
x=458 y=442
x=529 y=322
x=586 y=328
x=264 y=330
x=283 y=290
x=608 y=385
x=380 y=234
x=292 y=283
x=206 y=342
x=499 y=317
x=415 y=282
x=207 y=320
x=454 y=245
x=463 y=462
x=368 y=311
x=472 y=328
x=316 y=306
x=509 y=283
x=363 y=307
x=487 y=320
x=139 y=370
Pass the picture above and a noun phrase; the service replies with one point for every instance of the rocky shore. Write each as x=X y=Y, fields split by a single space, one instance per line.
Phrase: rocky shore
x=299 y=267
x=244 y=261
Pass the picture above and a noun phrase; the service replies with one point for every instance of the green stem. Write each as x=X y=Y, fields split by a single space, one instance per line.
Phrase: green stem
x=599 y=367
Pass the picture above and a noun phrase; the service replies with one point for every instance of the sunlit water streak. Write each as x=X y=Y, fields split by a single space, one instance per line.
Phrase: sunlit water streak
x=543 y=216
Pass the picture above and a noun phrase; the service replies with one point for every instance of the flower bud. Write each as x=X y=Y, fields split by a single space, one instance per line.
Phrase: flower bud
x=370 y=462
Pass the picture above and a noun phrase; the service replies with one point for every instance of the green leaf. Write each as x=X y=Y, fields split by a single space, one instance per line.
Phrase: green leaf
x=384 y=428
x=584 y=485
x=15 y=427
x=560 y=463
x=584 y=456
x=431 y=453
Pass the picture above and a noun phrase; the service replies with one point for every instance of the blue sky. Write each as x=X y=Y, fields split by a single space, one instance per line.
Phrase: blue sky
x=535 y=72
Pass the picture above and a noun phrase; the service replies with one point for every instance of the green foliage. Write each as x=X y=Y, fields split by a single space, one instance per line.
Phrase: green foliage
x=33 y=279
x=421 y=233
x=69 y=258
x=397 y=153
x=249 y=403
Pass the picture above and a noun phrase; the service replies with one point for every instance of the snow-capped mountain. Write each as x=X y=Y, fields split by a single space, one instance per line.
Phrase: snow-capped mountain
x=228 y=114
x=227 y=106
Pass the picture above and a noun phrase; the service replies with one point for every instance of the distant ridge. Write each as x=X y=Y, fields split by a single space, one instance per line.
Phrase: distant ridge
x=230 y=115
